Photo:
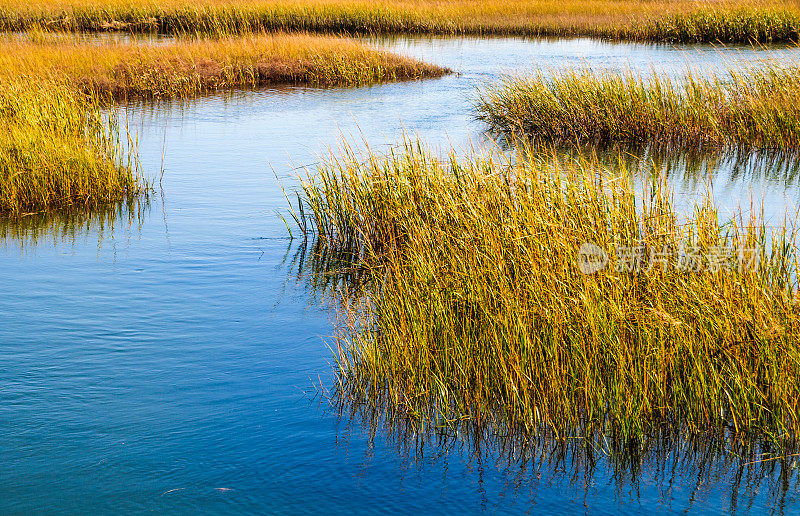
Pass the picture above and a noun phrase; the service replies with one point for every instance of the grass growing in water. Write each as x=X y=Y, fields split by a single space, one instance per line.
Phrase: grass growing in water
x=187 y=67
x=747 y=109
x=57 y=149
x=671 y=20
x=476 y=309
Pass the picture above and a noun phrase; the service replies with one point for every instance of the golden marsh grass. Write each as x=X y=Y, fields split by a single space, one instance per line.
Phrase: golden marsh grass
x=473 y=306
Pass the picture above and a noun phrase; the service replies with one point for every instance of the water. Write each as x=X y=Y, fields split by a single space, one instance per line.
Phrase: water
x=169 y=361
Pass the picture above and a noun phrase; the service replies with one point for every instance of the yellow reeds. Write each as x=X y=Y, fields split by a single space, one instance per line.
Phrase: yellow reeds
x=58 y=149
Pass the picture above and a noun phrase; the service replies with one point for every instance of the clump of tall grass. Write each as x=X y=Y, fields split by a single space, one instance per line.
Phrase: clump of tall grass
x=674 y=20
x=477 y=309
x=58 y=149
x=748 y=108
x=186 y=67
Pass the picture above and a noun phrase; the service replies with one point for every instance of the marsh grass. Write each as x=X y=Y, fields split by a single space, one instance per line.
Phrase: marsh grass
x=754 y=108
x=477 y=311
x=58 y=149
x=348 y=16
x=187 y=67
x=668 y=20
x=61 y=148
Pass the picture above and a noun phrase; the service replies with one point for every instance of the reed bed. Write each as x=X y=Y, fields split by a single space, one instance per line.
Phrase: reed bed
x=755 y=108
x=58 y=149
x=187 y=67
x=476 y=309
x=667 y=20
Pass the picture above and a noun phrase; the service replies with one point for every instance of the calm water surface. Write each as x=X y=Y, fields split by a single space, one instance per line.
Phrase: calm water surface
x=168 y=362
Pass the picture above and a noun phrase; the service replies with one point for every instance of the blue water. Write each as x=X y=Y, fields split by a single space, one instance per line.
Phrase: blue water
x=172 y=363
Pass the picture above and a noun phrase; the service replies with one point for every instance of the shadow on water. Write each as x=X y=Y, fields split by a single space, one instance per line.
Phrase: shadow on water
x=328 y=272
x=686 y=168
x=682 y=469
x=696 y=167
x=70 y=226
